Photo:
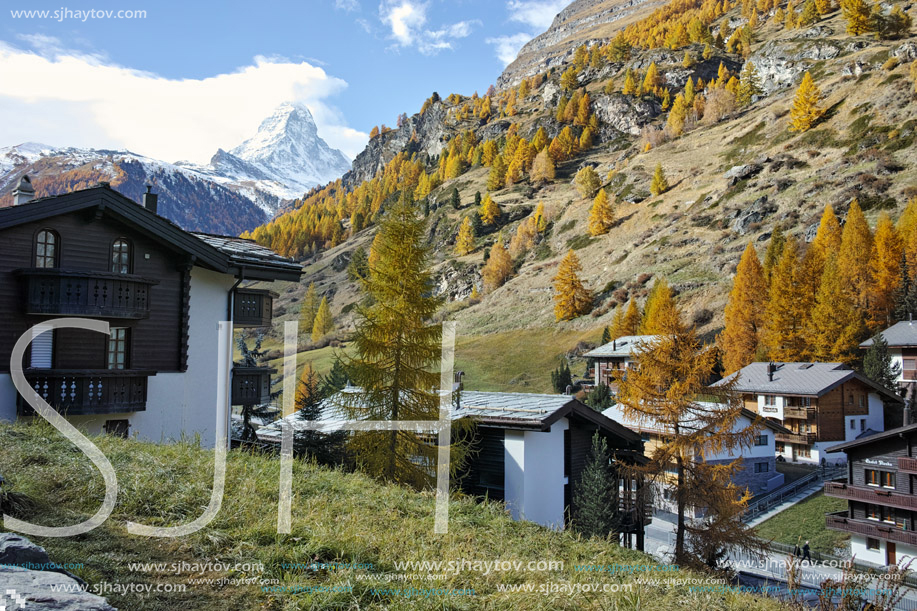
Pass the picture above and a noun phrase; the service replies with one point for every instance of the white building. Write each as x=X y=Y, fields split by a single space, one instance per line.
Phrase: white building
x=165 y=367
x=902 y=347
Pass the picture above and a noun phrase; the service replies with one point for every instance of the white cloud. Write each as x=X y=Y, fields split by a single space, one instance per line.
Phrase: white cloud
x=507 y=47
x=407 y=19
x=536 y=13
x=347 y=5
x=169 y=119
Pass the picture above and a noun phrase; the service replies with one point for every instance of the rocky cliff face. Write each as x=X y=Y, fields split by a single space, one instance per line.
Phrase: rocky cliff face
x=583 y=21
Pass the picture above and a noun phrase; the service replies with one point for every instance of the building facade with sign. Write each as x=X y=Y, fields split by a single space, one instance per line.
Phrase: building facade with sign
x=881 y=494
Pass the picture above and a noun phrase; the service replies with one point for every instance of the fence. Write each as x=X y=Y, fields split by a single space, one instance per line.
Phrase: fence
x=779 y=496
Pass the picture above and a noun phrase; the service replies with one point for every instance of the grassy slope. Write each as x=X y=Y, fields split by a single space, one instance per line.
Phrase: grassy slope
x=336 y=517
x=806 y=521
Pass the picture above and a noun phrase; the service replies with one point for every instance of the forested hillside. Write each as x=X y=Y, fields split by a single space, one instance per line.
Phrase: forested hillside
x=659 y=152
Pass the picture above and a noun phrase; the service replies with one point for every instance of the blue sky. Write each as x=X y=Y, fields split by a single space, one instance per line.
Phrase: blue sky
x=187 y=78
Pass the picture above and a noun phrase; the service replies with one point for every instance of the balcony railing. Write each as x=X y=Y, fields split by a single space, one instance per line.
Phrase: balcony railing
x=907 y=465
x=251 y=385
x=61 y=292
x=798 y=412
x=876 y=496
x=803 y=438
x=878 y=530
x=77 y=392
x=253 y=308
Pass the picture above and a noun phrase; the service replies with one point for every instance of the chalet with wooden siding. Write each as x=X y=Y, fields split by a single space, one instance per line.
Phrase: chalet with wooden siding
x=531 y=450
x=902 y=347
x=820 y=403
x=611 y=361
x=881 y=493
x=95 y=254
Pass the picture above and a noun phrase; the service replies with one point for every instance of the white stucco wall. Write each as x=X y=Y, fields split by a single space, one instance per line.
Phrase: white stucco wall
x=534 y=475
x=514 y=473
x=178 y=404
x=903 y=552
x=772 y=411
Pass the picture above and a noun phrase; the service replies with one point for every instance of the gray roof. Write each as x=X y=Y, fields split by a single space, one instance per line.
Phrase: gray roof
x=623 y=346
x=907 y=430
x=495 y=409
x=242 y=251
x=806 y=379
x=899 y=334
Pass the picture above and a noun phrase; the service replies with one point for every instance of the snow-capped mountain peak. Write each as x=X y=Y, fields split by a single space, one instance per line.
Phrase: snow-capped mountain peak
x=288 y=149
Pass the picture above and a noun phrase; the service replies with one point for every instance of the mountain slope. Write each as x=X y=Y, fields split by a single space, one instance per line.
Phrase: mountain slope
x=236 y=192
x=735 y=174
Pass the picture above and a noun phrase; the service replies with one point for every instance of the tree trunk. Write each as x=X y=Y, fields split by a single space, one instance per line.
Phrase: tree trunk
x=680 y=501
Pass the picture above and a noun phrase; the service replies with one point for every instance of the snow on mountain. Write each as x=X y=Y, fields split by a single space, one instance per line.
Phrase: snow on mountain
x=288 y=150
x=248 y=185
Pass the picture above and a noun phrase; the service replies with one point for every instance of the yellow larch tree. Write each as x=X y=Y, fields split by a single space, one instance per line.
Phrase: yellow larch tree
x=836 y=324
x=464 y=243
x=907 y=231
x=489 y=211
x=543 y=167
x=805 y=111
x=885 y=272
x=323 y=323
x=660 y=183
x=498 y=268
x=676 y=120
x=788 y=309
x=571 y=297
x=602 y=215
x=541 y=220
x=854 y=256
x=652 y=81
x=744 y=314
x=633 y=318
x=659 y=312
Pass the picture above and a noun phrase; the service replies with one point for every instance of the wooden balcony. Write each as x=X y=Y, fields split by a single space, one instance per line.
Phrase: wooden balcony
x=251 y=385
x=803 y=413
x=800 y=438
x=869 y=494
x=869 y=528
x=907 y=465
x=253 y=308
x=59 y=292
x=77 y=392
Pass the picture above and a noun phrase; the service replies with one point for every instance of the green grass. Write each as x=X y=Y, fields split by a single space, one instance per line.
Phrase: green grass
x=337 y=517
x=806 y=521
x=517 y=361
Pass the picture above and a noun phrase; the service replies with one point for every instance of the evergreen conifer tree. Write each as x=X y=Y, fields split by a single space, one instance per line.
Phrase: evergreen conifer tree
x=596 y=494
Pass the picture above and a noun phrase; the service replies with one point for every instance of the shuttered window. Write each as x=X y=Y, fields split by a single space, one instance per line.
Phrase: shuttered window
x=42 y=349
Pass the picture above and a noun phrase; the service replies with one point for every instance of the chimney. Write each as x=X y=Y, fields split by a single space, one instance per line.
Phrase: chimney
x=771 y=367
x=614 y=344
x=150 y=199
x=23 y=193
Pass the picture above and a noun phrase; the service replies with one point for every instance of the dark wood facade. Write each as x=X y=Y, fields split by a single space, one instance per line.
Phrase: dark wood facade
x=880 y=487
x=155 y=319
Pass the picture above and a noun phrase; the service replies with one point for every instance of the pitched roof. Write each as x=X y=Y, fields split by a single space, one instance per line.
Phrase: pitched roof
x=219 y=253
x=622 y=346
x=910 y=429
x=805 y=379
x=490 y=409
x=900 y=335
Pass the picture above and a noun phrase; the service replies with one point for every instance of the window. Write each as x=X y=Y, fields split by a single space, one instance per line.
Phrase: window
x=873 y=512
x=46 y=246
x=41 y=349
x=770 y=400
x=853 y=424
x=121 y=256
x=761 y=440
x=872 y=477
x=887 y=478
x=862 y=424
x=862 y=401
x=872 y=544
x=762 y=467
x=779 y=448
x=117 y=348
x=804 y=452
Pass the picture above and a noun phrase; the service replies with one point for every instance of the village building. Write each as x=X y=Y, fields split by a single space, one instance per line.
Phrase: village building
x=881 y=494
x=821 y=404
x=611 y=361
x=164 y=367
x=530 y=452
x=902 y=347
